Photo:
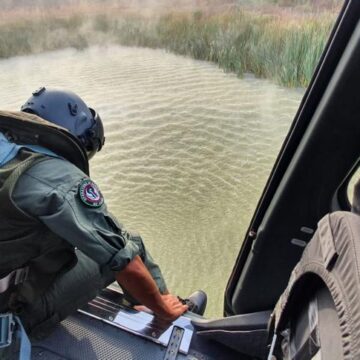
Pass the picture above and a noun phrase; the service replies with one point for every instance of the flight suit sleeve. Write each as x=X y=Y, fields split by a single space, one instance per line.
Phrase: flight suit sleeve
x=93 y=230
x=70 y=204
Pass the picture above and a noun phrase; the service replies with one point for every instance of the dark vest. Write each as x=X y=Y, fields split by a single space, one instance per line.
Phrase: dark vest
x=26 y=242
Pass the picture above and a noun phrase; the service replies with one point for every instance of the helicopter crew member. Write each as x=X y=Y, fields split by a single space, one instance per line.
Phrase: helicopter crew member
x=53 y=217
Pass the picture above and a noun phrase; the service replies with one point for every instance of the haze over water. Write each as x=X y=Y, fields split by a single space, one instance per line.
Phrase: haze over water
x=188 y=149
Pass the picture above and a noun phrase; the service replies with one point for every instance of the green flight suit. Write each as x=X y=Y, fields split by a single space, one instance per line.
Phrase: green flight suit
x=49 y=191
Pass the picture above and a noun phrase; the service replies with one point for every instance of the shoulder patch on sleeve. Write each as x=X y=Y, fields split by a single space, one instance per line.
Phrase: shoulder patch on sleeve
x=90 y=194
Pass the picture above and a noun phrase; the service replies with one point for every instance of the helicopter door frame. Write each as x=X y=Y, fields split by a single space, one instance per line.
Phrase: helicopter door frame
x=307 y=173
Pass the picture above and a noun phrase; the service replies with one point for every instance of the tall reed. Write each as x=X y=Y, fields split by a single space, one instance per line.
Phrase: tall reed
x=33 y=36
x=284 y=47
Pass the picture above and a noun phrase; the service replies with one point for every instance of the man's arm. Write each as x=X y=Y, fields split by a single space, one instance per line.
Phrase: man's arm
x=136 y=279
x=91 y=229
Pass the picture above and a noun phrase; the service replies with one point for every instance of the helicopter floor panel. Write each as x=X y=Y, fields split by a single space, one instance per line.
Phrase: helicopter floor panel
x=108 y=307
x=80 y=337
x=87 y=335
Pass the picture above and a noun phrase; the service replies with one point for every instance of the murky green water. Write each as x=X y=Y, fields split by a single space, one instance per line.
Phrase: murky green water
x=187 y=153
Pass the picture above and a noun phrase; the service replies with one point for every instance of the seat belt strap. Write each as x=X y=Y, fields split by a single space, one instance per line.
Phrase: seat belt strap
x=272 y=347
x=11 y=325
x=8 y=150
x=15 y=277
x=7 y=325
x=25 y=346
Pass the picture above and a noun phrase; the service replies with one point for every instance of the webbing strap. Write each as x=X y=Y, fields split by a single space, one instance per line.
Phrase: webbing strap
x=8 y=150
x=309 y=348
x=10 y=325
x=15 y=277
x=6 y=329
x=326 y=240
x=9 y=184
x=25 y=346
x=272 y=347
x=311 y=344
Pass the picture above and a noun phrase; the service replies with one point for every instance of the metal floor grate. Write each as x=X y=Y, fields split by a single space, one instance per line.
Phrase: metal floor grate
x=80 y=337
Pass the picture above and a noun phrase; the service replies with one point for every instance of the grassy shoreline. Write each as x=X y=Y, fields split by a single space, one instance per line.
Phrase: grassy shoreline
x=284 y=47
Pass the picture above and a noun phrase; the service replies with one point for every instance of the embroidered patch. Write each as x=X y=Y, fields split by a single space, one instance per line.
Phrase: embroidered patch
x=90 y=194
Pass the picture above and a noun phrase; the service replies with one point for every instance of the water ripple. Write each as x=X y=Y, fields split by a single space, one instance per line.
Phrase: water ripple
x=187 y=153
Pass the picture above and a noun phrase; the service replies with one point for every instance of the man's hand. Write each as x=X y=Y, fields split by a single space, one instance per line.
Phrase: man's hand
x=174 y=308
x=137 y=280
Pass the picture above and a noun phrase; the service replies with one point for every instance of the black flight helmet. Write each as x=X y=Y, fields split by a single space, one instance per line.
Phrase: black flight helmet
x=66 y=109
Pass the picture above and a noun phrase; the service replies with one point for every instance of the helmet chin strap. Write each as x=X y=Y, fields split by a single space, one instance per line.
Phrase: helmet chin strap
x=96 y=132
x=90 y=154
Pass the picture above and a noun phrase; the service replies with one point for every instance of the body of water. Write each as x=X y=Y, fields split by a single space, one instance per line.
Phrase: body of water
x=188 y=149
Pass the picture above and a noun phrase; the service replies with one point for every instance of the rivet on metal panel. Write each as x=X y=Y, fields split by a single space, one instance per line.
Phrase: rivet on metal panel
x=252 y=233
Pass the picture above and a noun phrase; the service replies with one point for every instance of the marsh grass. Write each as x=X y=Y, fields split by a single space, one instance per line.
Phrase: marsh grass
x=27 y=37
x=285 y=48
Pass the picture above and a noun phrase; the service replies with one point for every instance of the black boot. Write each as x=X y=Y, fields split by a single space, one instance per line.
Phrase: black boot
x=196 y=302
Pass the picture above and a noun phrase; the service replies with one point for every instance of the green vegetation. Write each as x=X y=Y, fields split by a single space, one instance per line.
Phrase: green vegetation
x=267 y=46
x=307 y=5
x=21 y=38
x=279 y=46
